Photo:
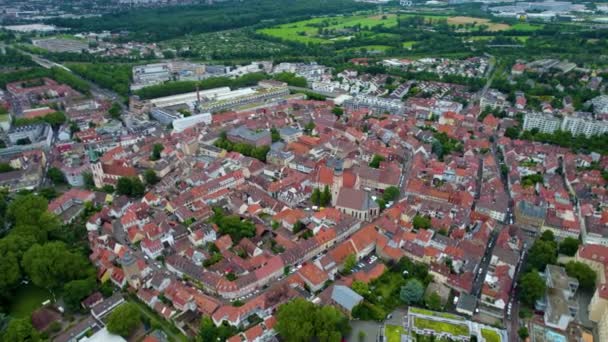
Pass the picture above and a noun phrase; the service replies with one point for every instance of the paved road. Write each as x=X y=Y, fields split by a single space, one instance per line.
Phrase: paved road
x=485 y=88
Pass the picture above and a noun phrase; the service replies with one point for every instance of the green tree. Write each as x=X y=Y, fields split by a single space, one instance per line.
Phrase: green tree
x=151 y=177
x=157 y=149
x=421 y=222
x=512 y=132
x=433 y=302
x=76 y=291
x=390 y=194
x=309 y=127
x=349 y=263
x=233 y=225
x=274 y=134
x=303 y=321
x=124 y=320
x=412 y=292
x=586 y=275
x=10 y=274
x=130 y=186
x=569 y=246
x=338 y=111
x=56 y=176
x=209 y=332
x=523 y=333
x=542 y=253
x=315 y=198
x=534 y=286
x=115 y=111
x=51 y=265
x=376 y=160
x=360 y=287
x=89 y=182
x=325 y=198
x=29 y=216
x=21 y=330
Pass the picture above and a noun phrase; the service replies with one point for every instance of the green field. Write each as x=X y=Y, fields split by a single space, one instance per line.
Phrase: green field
x=307 y=31
x=526 y=27
x=27 y=299
x=409 y=44
x=441 y=327
x=393 y=333
x=490 y=335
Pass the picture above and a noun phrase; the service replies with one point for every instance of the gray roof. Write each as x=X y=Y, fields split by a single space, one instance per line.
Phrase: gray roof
x=467 y=303
x=532 y=210
x=345 y=297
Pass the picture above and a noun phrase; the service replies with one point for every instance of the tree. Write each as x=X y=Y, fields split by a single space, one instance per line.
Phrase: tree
x=583 y=273
x=89 y=182
x=130 y=186
x=325 y=198
x=534 y=286
x=151 y=177
x=541 y=254
x=390 y=194
x=512 y=132
x=412 y=292
x=376 y=160
x=547 y=235
x=433 y=302
x=349 y=263
x=523 y=333
x=274 y=134
x=56 y=176
x=233 y=225
x=422 y=222
x=209 y=332
x=309 y=128
x=29 y=216
x=569 y=246
x=10 y=274
x=77 y=290
x=360 y=287
x=338 y=111
x=315 y=198
x=51 y=265
x=156 y=151
x=303 y=321
x=114 y=111
x=20 y=330
x=124 y=320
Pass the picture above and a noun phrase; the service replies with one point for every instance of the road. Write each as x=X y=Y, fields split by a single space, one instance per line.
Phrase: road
x=485 y=88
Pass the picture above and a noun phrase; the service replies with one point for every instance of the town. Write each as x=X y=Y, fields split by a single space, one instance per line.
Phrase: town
x=387 y=198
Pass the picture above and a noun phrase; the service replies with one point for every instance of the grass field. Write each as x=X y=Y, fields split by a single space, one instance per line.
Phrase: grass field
x=435 y=313
x=27 y=299
x=442 y=327
x=393 y=333
x=490 y=335
x=409 y=44
x=307 y=31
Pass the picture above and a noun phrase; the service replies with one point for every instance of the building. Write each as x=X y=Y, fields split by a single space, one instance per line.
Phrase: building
x=245 y=135
x=187 y=122
x=528 y=214
x=596 y=257
x=559 y=304
x=376 y=104
x=583 y=123
x=345 y=298
x=545 y=123
x=357 y=203
x=577 y=123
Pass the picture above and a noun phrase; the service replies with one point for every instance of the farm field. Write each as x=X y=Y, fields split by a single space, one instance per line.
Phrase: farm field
x=494 y=27
x=307 y=31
